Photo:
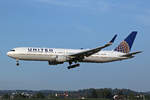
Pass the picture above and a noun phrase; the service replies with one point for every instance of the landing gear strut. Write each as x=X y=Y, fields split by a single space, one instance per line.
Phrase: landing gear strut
x=70 y=63
x=17 y=62
x=73 y=66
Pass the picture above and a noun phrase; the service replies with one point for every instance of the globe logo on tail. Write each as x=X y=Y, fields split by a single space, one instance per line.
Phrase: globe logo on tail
x=123 y=47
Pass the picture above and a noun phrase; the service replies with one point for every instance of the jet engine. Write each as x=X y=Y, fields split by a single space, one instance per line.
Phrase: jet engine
x=54 y=63
x=60 y=59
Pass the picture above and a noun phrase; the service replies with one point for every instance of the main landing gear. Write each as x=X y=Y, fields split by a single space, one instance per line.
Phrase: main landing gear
x=17 y=62
x=73 y=66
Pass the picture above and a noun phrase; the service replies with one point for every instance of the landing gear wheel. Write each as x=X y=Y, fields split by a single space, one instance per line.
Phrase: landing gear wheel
x=17 y=64
x=73 y=66
x=69 y=67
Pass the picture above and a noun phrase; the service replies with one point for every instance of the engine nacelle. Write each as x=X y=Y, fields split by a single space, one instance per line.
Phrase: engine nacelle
x=54 y=63
x=58 y=60
x=61 y=58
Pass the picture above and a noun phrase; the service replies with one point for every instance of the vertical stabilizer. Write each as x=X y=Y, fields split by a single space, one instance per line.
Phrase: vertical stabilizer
x=126 y=45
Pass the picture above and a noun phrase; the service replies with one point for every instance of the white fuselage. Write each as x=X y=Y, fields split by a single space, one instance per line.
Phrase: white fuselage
x=50 y=54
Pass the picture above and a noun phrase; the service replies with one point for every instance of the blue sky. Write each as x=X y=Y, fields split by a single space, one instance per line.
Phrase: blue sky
x=74 y=24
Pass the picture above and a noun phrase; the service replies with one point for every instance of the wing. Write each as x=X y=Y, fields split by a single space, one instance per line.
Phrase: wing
x=131 y=54
x=86 y=53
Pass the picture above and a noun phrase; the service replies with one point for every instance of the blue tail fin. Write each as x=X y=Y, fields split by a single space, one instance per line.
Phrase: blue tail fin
x=126 y=45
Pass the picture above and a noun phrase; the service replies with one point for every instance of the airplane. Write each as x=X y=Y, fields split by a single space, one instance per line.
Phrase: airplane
x=59 y=56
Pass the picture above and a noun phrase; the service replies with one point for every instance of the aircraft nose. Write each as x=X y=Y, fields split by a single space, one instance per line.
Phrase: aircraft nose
x=8 y=53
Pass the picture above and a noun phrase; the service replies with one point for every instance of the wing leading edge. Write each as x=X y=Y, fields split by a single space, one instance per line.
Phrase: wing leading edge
x=90 y=52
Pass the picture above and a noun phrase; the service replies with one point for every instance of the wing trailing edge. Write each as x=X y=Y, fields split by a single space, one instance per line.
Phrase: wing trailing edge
x=90 y=52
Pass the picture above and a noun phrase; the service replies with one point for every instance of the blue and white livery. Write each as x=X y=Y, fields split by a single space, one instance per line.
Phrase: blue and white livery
x=59 y=56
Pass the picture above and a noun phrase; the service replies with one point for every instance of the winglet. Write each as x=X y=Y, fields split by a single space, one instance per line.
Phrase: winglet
x=89 y=52
x=113 y=39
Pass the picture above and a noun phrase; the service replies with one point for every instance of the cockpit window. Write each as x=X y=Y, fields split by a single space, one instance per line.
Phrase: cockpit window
x=12 y=50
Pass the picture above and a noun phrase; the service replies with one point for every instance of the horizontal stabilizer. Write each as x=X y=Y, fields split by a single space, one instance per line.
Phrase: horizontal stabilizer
x=131 y=54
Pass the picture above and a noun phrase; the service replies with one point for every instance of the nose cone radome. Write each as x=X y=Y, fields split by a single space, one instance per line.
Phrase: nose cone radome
x=9 y=54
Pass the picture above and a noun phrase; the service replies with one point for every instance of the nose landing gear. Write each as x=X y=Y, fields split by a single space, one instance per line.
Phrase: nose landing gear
x=17 y=62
